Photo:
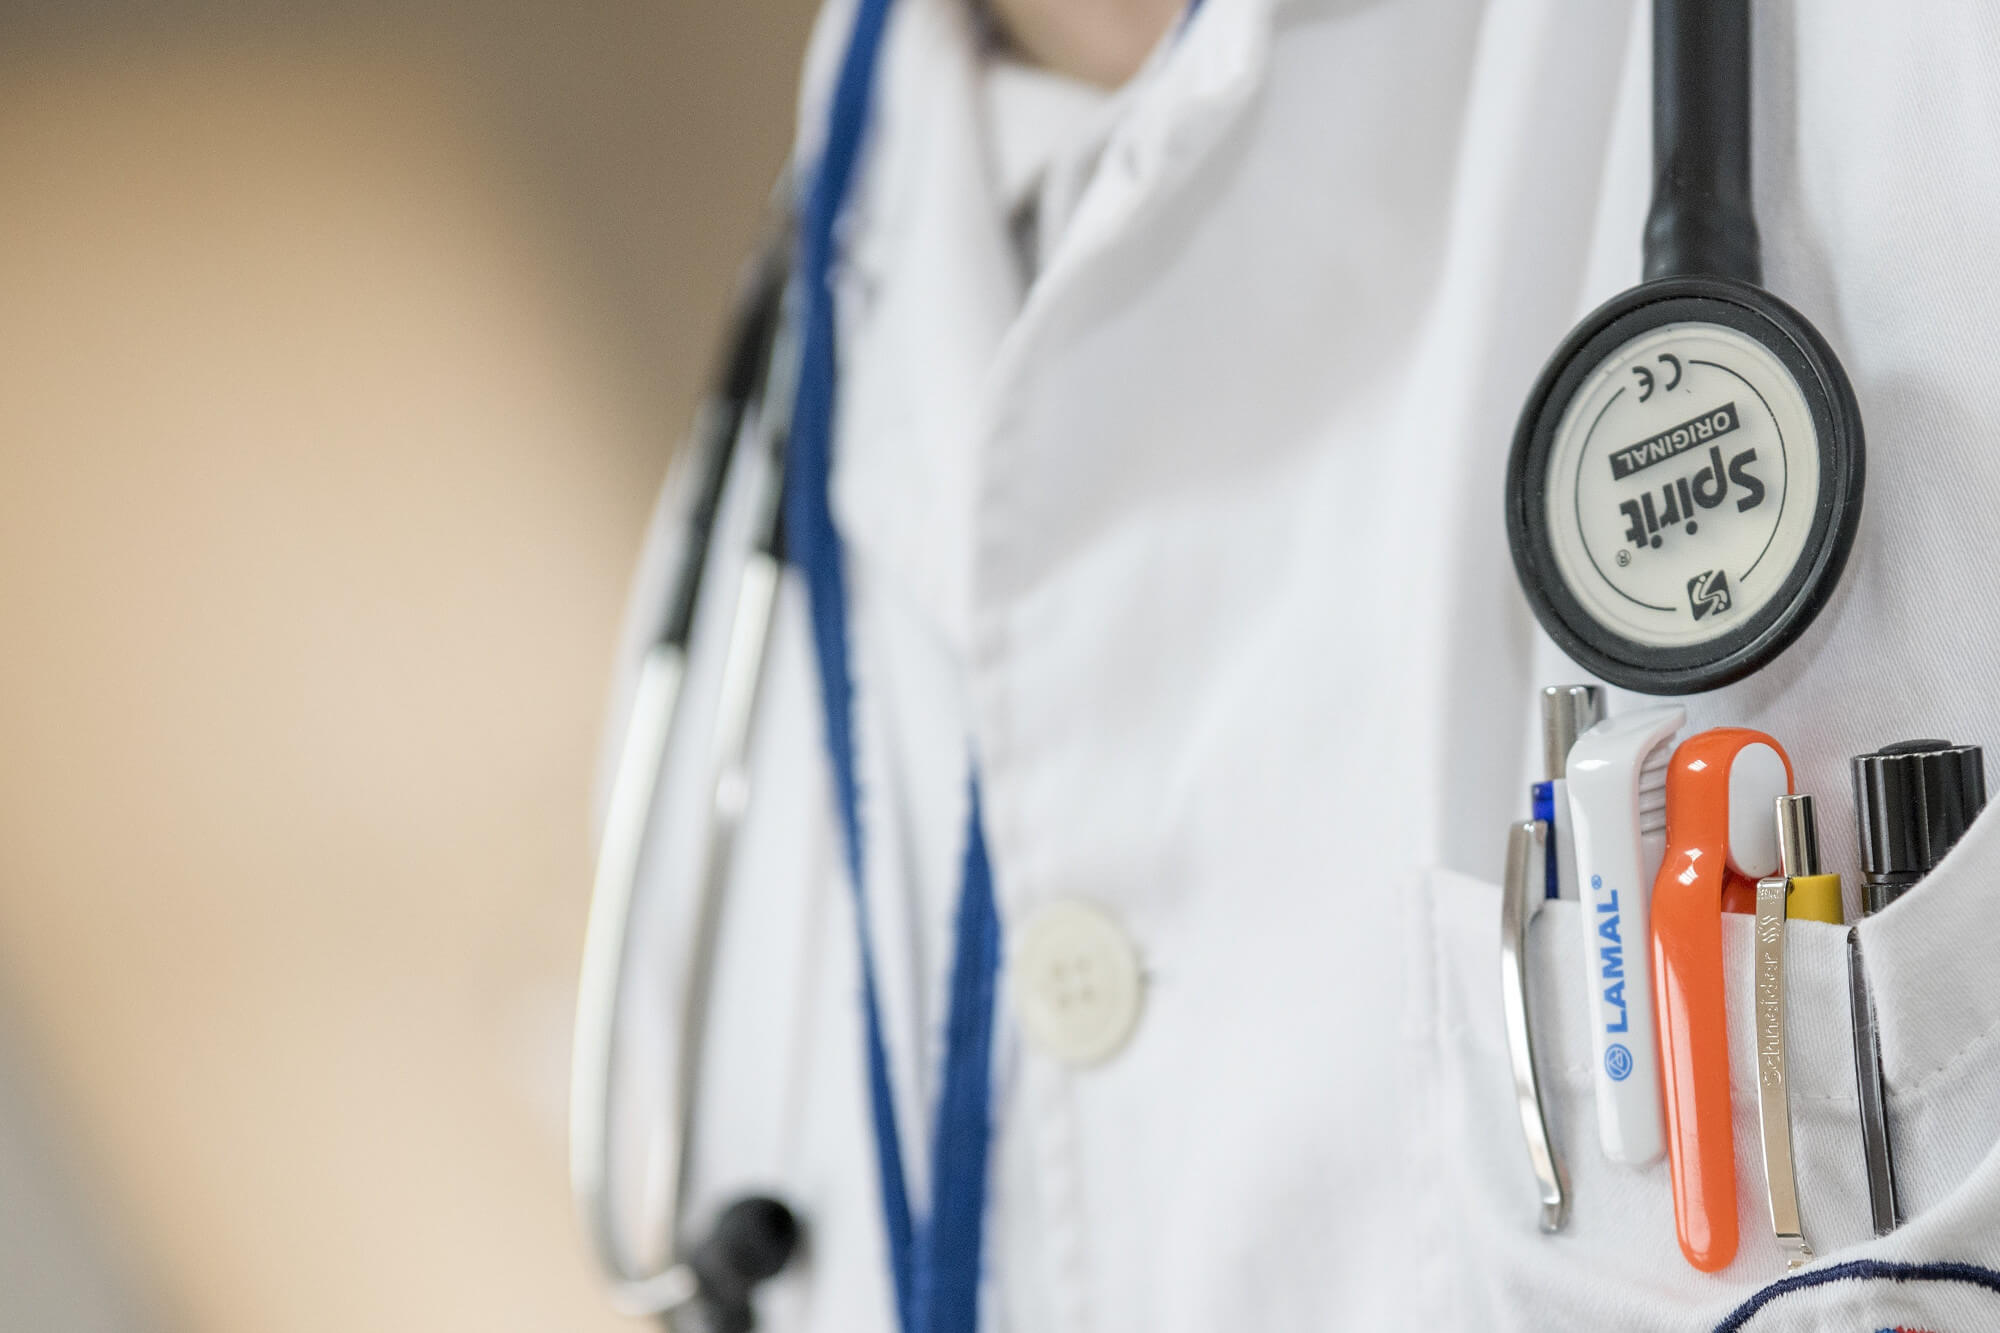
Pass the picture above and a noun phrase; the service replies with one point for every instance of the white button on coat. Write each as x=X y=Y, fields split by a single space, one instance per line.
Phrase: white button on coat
x=1076 y=983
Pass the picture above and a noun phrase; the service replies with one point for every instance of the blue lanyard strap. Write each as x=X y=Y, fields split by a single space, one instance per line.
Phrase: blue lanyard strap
x=935 y=1266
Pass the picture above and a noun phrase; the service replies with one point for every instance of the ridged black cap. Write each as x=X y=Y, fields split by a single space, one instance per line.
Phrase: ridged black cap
x=1913 y=801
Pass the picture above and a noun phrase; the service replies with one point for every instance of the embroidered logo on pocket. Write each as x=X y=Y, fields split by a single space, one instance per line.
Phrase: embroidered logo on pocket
x=1873 y=1296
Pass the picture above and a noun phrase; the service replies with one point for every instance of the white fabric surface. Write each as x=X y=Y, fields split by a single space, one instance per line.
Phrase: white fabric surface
x=1044 y=134
x=1198 y=541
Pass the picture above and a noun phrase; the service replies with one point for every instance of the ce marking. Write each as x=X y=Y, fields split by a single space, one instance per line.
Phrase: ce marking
x=1646 y=376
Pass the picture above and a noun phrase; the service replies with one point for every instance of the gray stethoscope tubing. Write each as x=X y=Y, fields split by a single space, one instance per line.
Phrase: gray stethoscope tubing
x=752 y=396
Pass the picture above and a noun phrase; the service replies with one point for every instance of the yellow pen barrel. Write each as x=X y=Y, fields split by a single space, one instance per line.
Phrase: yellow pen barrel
x=1814 y=898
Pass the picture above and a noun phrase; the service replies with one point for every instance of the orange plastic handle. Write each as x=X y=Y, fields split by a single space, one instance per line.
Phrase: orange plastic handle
x=1694 y=885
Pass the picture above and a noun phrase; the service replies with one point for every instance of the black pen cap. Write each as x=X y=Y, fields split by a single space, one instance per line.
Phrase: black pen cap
x=1913 y=801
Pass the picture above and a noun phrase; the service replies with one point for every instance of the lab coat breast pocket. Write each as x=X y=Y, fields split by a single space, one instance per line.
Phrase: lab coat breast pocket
x=1929 y=962
x=1606 y=1268
x=1616 y=1263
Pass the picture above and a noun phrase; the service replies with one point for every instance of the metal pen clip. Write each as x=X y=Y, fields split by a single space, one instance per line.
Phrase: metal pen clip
x=1521 y=893
x=1799 y=853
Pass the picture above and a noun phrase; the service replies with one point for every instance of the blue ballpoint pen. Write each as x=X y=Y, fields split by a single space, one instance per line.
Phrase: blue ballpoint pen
x=1567 y=712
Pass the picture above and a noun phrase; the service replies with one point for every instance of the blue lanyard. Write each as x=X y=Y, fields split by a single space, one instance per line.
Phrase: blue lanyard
x=935 y=1260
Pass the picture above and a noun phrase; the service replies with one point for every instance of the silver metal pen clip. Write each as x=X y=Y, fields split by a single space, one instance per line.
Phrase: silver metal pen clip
x=1522 y=893
x=1799 y=852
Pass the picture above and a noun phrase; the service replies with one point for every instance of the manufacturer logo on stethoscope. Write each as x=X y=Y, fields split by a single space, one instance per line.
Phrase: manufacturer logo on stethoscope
x=1664 y=488
x=1672 y=443
x=1682 y=477
x=1683 y=499
x=1708 y=593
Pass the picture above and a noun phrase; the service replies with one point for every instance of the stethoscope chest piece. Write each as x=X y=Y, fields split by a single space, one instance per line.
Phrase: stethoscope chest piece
x=1685 y=484
x=1685 y=481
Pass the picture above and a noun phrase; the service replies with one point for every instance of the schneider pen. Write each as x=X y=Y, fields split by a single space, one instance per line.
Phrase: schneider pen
x=1798 y=885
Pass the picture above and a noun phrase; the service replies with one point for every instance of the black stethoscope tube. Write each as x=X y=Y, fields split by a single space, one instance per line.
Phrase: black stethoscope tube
x=1701 y=221
x=706 y=1285
x=738 y=383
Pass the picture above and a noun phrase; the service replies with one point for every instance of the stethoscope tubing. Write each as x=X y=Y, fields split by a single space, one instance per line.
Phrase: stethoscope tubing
x=751 y=399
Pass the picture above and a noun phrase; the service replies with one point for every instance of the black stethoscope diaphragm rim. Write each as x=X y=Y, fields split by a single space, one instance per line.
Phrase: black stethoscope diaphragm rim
x=1836 y=418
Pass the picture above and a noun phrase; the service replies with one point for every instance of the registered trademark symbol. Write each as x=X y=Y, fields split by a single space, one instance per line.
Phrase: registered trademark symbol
x=1624 y=559
x=1618 y=1062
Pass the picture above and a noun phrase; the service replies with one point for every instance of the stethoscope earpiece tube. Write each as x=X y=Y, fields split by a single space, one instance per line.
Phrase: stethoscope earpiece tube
x=739 y=382
x=709 y=1285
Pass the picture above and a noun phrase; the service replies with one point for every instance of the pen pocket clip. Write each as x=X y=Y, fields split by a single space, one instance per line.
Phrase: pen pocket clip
x=1521 y=894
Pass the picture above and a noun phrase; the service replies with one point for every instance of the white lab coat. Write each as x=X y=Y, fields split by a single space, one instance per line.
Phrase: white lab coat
x=1195 y=544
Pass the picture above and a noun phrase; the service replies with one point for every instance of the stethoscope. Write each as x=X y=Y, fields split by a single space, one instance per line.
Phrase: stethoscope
x=1682 y=492
x=1686 y=477
x=705 y=1286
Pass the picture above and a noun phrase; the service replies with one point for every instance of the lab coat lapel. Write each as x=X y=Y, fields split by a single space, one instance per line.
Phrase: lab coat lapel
x=925 y=286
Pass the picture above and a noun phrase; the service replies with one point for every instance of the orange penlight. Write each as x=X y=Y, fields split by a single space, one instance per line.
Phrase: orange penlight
x=1721 y=839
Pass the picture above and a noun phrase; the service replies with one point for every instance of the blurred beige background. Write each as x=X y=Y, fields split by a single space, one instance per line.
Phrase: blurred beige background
x=342 y=348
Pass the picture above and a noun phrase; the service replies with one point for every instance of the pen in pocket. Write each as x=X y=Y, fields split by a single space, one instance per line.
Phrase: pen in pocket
x=1617 y=811
x=1912 y=802
x=1567 y=712
x=1798 y=890
x=1539 y=858
x=1721 y=789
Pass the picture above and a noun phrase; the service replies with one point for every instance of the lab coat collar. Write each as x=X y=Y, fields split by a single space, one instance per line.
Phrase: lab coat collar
x=925 y=285
x=927 y=282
